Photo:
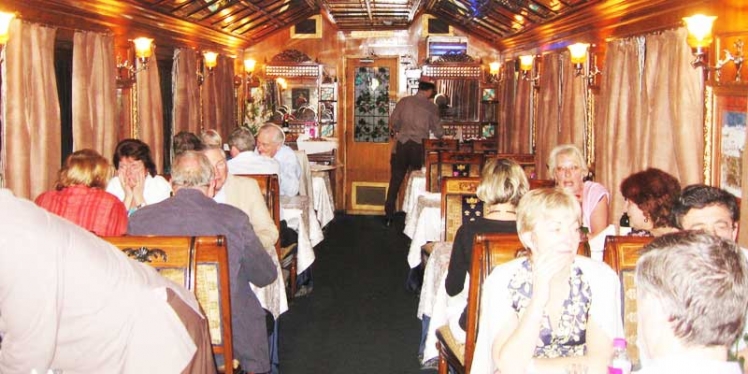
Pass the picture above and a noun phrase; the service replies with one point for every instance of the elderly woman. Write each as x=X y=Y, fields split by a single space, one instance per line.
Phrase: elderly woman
x=553 y=309
x=503 y=182
x=650 y=197
x=80 y=197
x=136 y=183
x=568 y=167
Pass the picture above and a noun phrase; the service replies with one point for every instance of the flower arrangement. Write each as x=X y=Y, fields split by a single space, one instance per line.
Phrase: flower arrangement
x=256 y=112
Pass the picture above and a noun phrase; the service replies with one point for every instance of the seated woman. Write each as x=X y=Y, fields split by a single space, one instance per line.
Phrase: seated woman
x=80 y=197
x=553 y=309
x=503 y=182
x=568 y=168
x=650 y=197
x=136 y=183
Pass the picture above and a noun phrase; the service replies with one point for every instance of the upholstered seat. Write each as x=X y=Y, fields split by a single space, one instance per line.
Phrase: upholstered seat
x=489 y=251
x=200 y=264
x=621 y=254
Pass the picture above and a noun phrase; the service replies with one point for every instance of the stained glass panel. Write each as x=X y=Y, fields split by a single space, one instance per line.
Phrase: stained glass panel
x=371 y=108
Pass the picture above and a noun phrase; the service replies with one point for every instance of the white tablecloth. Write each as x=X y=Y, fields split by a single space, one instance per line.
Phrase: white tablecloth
x=317 y=146
x=434 y=300
x=273 y=296
x=323 y=201
x=296 y=211
x=424 y=225
x=414 y=187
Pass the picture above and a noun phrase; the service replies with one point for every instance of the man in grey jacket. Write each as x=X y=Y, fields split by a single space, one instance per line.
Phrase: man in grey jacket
x=192 y=211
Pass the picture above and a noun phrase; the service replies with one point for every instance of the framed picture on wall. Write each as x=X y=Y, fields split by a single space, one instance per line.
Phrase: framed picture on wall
x=327 y=93
x=489 y=94
x=729 y=106
x=299 y=97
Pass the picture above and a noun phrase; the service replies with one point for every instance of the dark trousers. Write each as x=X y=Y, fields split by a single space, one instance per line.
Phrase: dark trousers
x=408 y=156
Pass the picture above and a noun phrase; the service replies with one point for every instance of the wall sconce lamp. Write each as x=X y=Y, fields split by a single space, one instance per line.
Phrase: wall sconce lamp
x=700 y=37
x=210 y=60
x=578 y=53
x=526 y=66
x=5 y=19
x=282 y=83
x=126 y=71
x=494 y=72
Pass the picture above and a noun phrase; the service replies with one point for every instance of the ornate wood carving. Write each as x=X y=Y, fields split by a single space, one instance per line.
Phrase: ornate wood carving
x=145 y=254
x=291 y=55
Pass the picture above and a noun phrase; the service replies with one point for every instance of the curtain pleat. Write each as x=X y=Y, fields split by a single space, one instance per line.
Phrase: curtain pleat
x=94 y=93
x=507 y=97
x=549 y=107
x=218 y=98
x=150 y=112
x=520 y=125
x=186 y=112
x=650 y=97
x=31 y=116
x=573 y=116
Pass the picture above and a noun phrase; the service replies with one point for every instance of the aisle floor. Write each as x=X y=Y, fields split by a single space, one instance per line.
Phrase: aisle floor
x=359 y=317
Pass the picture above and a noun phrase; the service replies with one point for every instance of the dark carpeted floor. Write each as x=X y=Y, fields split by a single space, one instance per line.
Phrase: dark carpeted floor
x=359 y=318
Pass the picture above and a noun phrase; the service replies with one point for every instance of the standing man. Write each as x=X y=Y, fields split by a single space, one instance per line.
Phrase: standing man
x=413 y=118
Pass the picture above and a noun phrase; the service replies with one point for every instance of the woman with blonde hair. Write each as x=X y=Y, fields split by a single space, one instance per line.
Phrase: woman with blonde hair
x=553 y=309
x=503 y=183
x=568 y=167
x=79 y=195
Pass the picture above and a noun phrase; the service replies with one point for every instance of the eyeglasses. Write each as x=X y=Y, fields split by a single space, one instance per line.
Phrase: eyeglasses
x=568 y=169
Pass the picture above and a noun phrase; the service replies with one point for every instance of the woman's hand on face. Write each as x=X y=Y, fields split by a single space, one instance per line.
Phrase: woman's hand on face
x=546 y=266
x=138 y=188
x=124 y=181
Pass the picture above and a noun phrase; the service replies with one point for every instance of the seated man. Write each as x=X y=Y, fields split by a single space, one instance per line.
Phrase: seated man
x=69 y=301
x=270 y=139
x=243 y=193
x=692 y=293
x=702 y=207
x=191 y=211
x=716 y=211
x=244 y=160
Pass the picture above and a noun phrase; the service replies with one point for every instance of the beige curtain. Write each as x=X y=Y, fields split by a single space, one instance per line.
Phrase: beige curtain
x=506 y=96
x=573 y=116
x=94 y=93
x=548 y=125
x=186 y=91
x=218 y=97
x=651 y=112
x=150 y=128
x=31 y=112
x=743 y=233
x=519 y=140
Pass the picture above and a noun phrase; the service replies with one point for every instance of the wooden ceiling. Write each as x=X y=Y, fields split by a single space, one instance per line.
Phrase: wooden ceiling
x=253 y=20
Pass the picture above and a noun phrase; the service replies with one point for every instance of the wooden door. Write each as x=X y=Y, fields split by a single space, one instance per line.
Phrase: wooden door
x=370 y=89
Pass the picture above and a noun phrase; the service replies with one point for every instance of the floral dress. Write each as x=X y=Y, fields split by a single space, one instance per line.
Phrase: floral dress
x=569 y=337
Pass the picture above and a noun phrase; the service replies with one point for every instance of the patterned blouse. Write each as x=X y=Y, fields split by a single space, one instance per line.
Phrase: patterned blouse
x=569 y=337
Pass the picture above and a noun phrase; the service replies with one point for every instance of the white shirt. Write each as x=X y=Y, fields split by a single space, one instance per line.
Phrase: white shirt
x=290 y=171
x=689 y=365
x=496 y=302
x=156 y=189
x=249 y=162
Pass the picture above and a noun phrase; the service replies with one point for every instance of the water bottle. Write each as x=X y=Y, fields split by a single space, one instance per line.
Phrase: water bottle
x=624 y=226
x=620 y=363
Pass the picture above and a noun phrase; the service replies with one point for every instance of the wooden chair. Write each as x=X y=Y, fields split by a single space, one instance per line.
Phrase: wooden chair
x=450 y=164
x=541 y=183
x=438 y=145
x=525 y=160
x=489 y=251
x=459 y=204
x=621 y=254
x=489 y=148
x=200 y=264
x=270 y=190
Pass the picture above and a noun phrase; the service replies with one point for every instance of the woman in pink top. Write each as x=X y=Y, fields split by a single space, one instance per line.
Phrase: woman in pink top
x=568 y=168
